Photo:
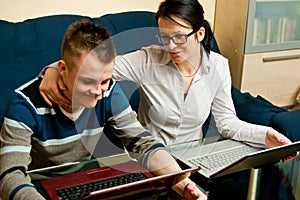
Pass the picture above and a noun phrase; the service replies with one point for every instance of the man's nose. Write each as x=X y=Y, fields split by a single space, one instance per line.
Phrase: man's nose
x=97 y=90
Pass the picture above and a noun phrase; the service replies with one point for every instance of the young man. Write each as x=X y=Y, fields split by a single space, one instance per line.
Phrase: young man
x=35 y=135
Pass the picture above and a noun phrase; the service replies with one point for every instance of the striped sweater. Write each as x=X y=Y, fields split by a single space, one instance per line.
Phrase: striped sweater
x=35 y=135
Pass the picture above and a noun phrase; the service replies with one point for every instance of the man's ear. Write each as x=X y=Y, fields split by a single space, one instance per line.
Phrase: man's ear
x=62 y=67
x=200 y=34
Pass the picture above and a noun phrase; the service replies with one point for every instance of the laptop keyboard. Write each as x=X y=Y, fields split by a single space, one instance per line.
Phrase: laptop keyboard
x=79 y=191
x=213 y=162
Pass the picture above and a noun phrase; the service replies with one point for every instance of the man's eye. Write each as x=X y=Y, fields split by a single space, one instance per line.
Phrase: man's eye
x=105 y=82
x=87 y=82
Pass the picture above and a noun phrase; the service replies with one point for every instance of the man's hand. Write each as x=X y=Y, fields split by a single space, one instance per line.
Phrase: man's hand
x=274 y=139
x=192 y=192
x=51 y=88
x=162 y=162
x=189 y=190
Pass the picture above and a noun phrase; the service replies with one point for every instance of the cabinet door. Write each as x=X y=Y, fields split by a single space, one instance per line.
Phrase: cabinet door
x=273 y=25
x=273 y=75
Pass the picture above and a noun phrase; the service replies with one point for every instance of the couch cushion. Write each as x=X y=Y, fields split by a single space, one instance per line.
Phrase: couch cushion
x=131 y=30
x=288 y=123
x=254 y=110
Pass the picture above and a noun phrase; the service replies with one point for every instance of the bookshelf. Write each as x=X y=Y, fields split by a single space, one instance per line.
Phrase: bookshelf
x=261 y=39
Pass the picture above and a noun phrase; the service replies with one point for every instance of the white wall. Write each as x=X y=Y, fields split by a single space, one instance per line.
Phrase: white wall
x=19 y=10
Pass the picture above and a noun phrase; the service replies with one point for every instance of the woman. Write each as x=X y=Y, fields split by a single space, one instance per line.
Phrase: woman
x=181 y=82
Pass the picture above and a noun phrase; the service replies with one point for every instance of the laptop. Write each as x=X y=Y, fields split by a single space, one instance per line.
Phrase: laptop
x=120 y=181
x=227 y=156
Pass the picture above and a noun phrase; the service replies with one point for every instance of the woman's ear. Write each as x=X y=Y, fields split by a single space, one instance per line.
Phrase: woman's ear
x=200 y=34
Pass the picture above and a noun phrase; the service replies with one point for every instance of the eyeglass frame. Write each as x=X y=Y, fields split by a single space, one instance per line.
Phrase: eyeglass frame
x=158 y=36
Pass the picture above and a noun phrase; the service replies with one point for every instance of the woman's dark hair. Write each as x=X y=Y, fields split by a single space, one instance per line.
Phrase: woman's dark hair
x=190 y=11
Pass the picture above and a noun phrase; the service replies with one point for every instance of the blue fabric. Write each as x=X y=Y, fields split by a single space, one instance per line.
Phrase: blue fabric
x=288 y=123
x=254 y=110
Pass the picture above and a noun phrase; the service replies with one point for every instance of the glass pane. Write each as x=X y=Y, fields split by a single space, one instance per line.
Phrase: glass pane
x=274 y=25
x=276 y=22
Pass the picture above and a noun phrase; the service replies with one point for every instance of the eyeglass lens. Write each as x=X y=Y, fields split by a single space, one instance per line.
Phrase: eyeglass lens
x=177 y=39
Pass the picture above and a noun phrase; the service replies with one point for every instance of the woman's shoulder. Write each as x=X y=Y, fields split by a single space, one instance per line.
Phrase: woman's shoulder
x=218 y=60
x=219 y=63
x=217 y=57
x=157 y=53
x=154 y=49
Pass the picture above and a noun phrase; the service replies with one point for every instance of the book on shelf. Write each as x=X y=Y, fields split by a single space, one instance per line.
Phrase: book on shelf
x=289 y=27
x=259 y=31
x=273 y=30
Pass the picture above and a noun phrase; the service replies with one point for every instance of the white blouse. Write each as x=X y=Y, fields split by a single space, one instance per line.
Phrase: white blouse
x=166 y=111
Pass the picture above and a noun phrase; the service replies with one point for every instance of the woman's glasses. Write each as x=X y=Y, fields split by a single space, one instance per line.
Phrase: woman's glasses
x=177 y=39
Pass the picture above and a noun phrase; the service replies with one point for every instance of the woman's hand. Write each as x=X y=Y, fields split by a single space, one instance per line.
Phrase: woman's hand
x=274 y=139
x=51 y=88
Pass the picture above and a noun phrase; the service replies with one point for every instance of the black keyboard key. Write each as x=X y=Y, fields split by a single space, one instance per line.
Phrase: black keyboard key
x=79 y=191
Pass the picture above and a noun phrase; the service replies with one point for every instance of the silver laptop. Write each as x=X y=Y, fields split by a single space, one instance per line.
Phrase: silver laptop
x=228 y=156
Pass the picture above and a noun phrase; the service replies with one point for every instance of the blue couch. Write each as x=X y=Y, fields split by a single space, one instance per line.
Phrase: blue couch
x=26 y=47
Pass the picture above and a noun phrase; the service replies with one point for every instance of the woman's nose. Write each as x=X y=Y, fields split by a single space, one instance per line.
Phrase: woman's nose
x=171 y=45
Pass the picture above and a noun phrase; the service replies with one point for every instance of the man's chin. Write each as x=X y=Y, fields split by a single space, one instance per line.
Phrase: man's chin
x=90 y=105
x=85 y=102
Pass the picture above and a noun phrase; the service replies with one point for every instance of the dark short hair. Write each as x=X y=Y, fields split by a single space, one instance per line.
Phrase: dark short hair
x=190 y=11
x=87 y=37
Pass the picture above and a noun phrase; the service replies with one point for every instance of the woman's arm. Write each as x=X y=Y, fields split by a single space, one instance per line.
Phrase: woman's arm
x=51 y=87
x=230 y=126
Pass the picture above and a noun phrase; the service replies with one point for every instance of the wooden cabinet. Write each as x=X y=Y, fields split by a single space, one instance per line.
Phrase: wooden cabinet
x=261 y=39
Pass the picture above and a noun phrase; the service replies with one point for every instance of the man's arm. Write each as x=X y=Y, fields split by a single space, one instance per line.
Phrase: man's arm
x=144 y=146
x=161 y=162
x=15 y=141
